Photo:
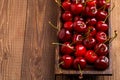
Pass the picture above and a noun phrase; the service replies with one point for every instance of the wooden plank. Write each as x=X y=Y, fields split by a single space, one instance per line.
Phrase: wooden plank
x=12 y=25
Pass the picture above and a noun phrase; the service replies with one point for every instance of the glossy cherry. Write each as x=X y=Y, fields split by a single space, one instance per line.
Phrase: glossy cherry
x=91 y=21
x=101 y=36
x=101 y=15
x=91 y=11
x=91 y=56
x=101 y=3
x=102 y=26
x=77 y=39
x=79 y=61
x=68 y=25
x=80 y=50
x=66 y=61
x=66 y=5
x=91 y=3
x=102 y=63
x=91 y=31
x=67 y=16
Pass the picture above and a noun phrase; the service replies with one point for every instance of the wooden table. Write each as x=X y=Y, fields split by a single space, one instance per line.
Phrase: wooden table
x=26 y=52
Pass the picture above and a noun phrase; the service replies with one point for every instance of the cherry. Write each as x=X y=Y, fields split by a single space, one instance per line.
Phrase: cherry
x=76 y=8
x=91 y=56
x=77 y=18
x=66 y=5
x=89 y=42
x=80 y=50
x=101 y=36
x=66 y=61
x=101 y=3
x=67 y=16
x=77 y=39
x=101 y=49
x=102 y=63
x=79 y=61
x=91 y=3
x=79 y=26
x=102 y=26
x=91 y=21
x=67 y=49
x=91 y=11
x=91 y=31
x=64 y=35
x=68 y=25
x=101 y=15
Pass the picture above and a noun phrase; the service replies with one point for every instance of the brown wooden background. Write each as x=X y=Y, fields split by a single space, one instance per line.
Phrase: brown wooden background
x=26 y=52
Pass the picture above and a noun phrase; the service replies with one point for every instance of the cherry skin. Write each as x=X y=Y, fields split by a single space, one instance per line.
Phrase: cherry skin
x=91 y=11
x=79 y=61
x=101 y=36
x=91 y=3
x=79 y=26
x=64 y=35
x=77 y=39
x=66 y=5
x=102 y=26
x=101 y=49
x=91 y=56
x=76 y=8
x=66 y=61
x=101 y=15
x=92 y=31
x=102 y=63
x=89 y=42
x=91 y=21
x=67 y=49
x=67 y=16
x=101 y=3
x=80 y=50
x=77 y=18
x=68 y=25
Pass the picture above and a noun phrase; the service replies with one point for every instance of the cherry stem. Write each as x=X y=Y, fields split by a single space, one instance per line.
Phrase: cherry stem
x=61 y=63
x=81 y=74
x=52 y=25
x=88 y=32
x=115 y=35
x=109 y=12
x=59 y=3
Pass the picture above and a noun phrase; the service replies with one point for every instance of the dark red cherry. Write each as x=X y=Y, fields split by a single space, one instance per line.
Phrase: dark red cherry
x=77 y=39
x=67 y=16
x=66 y=61
x=101 y=3
x=68 y=25
x=91 y=3
x=64 y=35
x=101 y=15
x=91 y=56
x=91 y=21
x=67 y=49
x=101 y=49
x=66 y=5
x=91 y=31
x=79 y=26
x=79 y=61
x=80 y=50
x=101 y=36
x=76 y=8
x=77 y=18
x=91 y=11
x=102 y=26
x=102 y=63
x=89 y=42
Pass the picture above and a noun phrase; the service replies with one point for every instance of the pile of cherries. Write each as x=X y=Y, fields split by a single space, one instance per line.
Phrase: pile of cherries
x=83 y=37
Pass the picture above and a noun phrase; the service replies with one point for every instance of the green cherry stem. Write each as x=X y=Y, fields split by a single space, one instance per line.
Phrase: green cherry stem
x=81 y=74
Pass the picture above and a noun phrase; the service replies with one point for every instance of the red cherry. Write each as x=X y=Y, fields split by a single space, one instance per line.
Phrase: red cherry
x=101 y=49
x=66 y=5
x=102 y=26
x=68 y=25
x=91 y=56
x=67 y=49
x=91 y=3
x=102 y=63
x=64 y=35
x=89 y=42
x=101 y=3
x=79 y=26
x=80 y=50
x=92 y=31
x=76 y=8
x=91 y=11
x=67 y=16
x=77 y=39
x=77 y=18
x=101 y=15
x=66 y=61
x=79 y=61
x=91 y=21
x=101 y=37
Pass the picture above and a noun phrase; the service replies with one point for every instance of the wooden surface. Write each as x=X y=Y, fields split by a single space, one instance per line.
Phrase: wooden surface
x=26 y=52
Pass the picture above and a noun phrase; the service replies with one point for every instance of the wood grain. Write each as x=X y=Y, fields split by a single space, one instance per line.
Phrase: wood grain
x=26 y=52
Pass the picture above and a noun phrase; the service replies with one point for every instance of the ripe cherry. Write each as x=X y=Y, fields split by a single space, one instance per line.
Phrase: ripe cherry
x=91 y=3
x=91 y=56
x=67 y=49
x=67 y=16
x=91 y=11
x=66 y=5
x=91 y=21
x=101 y=36
x=77 y=39
x=79 y=61
x=66 y=61
x=102 y=63
x=68 y=25
x=80 y=50
x=101 y=15
x=101 y=3
x=102 y=26
x=101 y=49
